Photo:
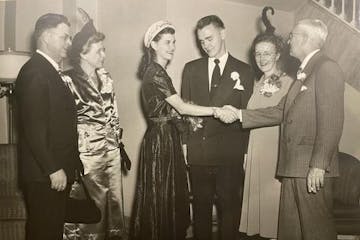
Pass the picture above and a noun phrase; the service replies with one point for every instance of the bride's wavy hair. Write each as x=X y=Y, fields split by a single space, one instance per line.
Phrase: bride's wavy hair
x=149 y=53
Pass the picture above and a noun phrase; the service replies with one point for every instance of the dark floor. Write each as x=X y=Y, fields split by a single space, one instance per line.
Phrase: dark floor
x=242 y=236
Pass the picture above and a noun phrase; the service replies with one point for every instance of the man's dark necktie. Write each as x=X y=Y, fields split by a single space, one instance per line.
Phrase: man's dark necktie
x=215 y=78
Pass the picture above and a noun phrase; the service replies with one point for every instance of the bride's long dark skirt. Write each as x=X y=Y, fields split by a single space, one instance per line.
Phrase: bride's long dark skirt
x=161 y=207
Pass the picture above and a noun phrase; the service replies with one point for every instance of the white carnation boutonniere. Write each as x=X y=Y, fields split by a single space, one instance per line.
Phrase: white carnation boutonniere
x=301 y=75
x=107 y=82
x=195 y=123
x=235 y=76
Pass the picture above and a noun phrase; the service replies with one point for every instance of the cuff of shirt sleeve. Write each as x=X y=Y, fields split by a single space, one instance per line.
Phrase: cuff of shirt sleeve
x=240 y=115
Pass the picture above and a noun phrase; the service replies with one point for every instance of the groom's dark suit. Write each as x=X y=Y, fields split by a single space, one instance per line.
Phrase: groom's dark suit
x=216 y=151
x=47 y=143
x=311 y=117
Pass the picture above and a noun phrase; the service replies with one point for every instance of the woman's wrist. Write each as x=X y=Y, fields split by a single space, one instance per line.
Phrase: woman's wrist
x=215 y=111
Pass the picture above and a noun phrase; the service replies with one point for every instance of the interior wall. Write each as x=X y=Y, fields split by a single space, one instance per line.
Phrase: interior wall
x=27 y=12
x=2 y=24
x=349 y=142
x=3 y=115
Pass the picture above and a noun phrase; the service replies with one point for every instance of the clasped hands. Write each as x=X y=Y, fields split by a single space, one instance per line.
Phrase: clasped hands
x=227 y=114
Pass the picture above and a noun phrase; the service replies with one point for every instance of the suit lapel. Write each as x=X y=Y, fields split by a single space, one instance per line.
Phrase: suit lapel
x=54 y=77
x=204 y=77
x=296 y=87
x=310 y=66
x=226 y=85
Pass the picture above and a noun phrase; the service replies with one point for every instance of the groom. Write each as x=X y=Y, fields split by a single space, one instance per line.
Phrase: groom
x=311 y=117
x=215 y=152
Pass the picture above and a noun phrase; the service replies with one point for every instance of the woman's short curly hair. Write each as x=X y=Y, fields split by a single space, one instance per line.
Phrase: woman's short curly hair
x=277 y=41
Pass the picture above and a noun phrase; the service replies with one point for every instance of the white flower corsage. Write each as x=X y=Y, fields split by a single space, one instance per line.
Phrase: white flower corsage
x=195 y=123
x=236 y=77
x=107 y=82
x=271 y=85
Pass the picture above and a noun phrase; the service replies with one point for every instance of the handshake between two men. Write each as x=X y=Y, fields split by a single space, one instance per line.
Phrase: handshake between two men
x=228 y=114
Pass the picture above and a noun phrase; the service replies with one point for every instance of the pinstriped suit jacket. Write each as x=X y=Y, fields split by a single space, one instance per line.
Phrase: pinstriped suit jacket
x=311 y=117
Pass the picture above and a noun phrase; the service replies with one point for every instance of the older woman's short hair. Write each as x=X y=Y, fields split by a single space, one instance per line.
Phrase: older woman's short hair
x=276 y=40
x=279 y=45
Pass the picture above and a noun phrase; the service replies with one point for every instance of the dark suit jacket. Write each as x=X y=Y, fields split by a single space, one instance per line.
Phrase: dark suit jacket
x=47 y=122
x=311 y=117
x=217 y=143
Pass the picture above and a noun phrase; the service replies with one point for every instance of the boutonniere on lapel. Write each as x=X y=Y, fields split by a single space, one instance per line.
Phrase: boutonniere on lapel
x=106 y=80
x=301 y=76
x=235 y=76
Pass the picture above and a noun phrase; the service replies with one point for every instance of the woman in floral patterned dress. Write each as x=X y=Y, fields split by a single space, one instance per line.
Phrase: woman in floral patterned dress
x=261 y=188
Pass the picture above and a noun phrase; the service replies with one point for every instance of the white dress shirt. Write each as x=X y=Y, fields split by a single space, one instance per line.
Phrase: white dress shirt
x=52 y=62
x=307 y=59
x=211 y=66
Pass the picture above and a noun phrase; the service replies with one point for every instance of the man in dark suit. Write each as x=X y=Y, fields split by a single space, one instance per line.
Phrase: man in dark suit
x=48 y=152
x=216 y=151
x=311 y=117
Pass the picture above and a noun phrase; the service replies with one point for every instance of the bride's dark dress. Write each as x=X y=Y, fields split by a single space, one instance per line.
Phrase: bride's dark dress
x=161 y=207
